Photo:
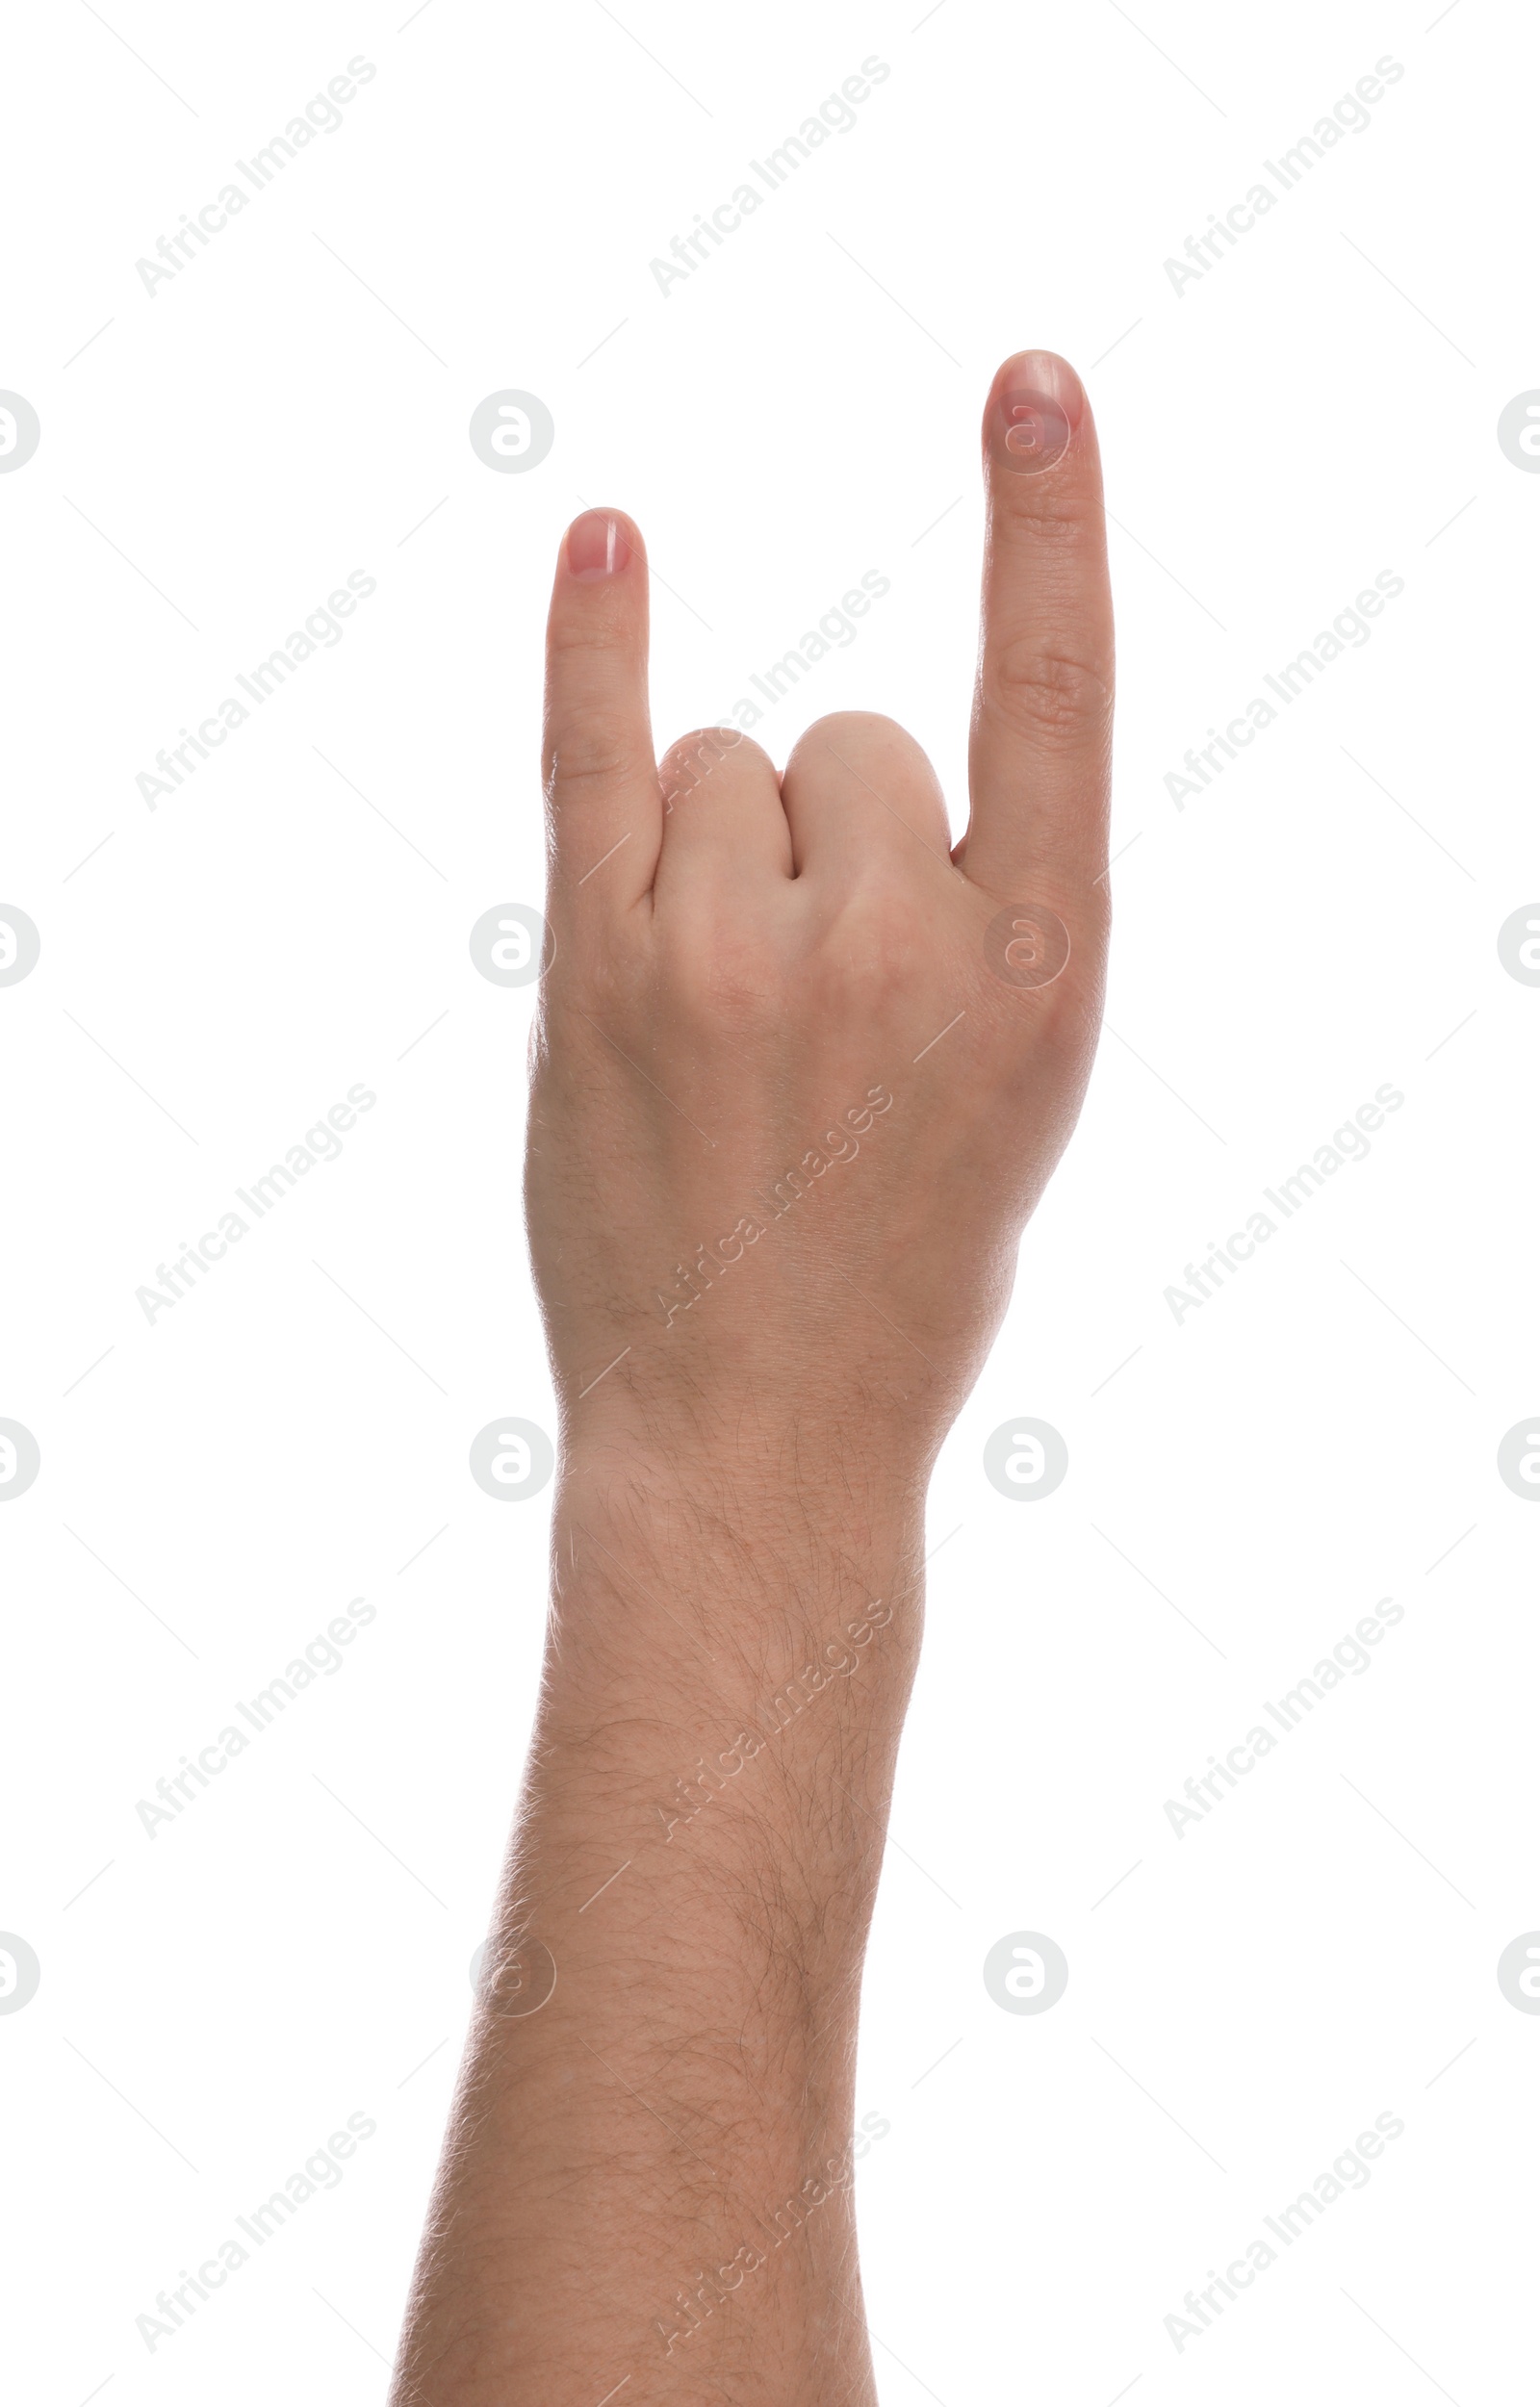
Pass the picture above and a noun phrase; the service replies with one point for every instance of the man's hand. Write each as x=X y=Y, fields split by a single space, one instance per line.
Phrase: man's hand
x=803 y=1070
x=800 y=1074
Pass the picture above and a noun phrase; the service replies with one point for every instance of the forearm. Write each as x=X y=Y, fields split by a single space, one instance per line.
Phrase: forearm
x=650 y=2171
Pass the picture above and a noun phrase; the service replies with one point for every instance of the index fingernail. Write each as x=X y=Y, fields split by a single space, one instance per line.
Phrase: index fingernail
x=1039 y=405
x=596 y=545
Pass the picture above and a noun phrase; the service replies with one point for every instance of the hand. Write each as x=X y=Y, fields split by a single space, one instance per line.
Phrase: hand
x=802 y=1070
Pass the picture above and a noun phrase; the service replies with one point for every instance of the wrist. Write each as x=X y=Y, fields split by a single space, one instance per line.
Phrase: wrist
x=726 y=1677
x=697 y=1469
x=701 y=1572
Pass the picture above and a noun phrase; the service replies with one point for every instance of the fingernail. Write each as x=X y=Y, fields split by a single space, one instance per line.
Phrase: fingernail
x=1042 y=401
x=596 y=545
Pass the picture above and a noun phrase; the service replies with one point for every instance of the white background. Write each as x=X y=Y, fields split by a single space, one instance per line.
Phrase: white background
x=1244 y=1485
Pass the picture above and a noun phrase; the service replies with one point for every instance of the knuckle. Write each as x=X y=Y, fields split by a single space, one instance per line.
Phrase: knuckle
x=1040 y=510
x=594 y=748
x=691 y=758
x=710 y=743
x=868 y=731
x=593 y=633
x=867 y=722
x=1055 y=695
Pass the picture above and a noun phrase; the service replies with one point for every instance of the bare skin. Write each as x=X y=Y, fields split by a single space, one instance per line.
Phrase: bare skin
x=647 y=2185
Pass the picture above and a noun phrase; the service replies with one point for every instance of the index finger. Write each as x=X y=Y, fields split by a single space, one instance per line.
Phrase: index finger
x=1040 y=759
x=603 y=809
